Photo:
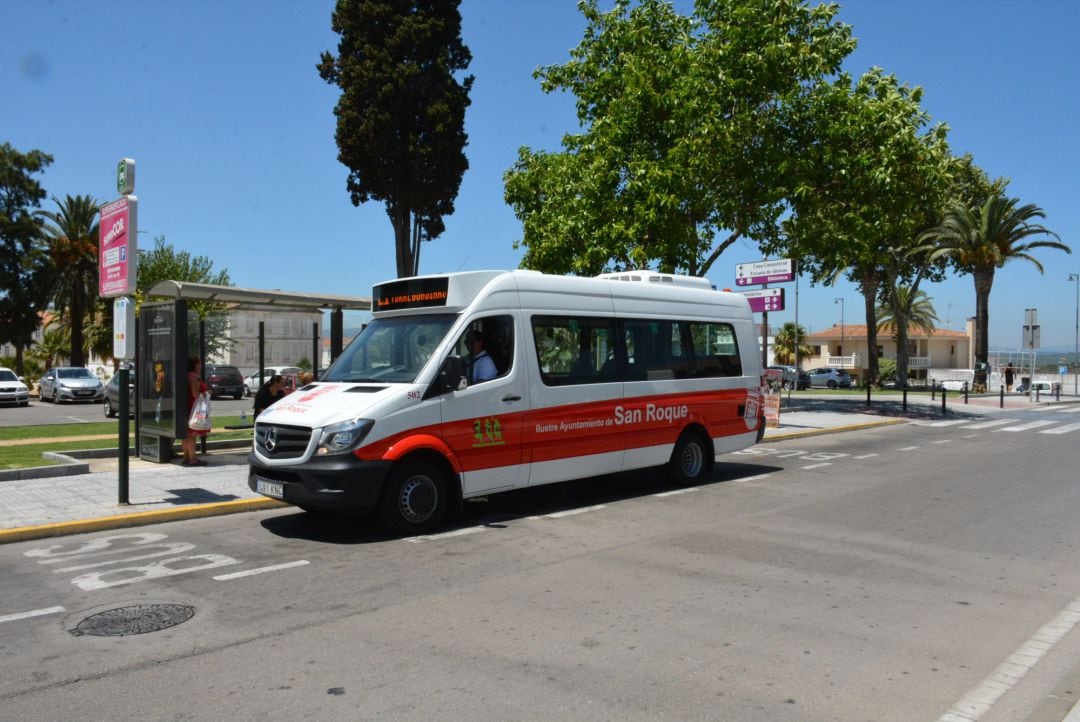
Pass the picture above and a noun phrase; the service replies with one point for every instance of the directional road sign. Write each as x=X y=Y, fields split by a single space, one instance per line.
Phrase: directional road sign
x=765 y=299
x=778 y=271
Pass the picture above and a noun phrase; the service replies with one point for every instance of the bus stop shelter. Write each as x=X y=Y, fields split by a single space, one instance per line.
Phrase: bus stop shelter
x=163 y=344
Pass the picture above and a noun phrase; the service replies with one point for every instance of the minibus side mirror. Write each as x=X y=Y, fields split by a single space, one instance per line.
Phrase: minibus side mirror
x=452 y=377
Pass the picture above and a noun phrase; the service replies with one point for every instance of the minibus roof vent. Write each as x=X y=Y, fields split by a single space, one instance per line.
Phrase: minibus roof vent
x=657 y=277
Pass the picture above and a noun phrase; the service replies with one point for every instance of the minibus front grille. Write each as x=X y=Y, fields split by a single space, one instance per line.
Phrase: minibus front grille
x=276 y=441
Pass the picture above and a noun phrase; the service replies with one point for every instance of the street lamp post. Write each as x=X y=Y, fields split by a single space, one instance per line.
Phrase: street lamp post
x=1075 y=277
x=841 y=302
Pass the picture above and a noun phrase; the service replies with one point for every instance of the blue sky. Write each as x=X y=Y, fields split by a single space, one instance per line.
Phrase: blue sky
x=233 y=132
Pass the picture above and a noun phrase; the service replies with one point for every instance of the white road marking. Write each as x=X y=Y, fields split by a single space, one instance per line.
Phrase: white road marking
x=1028 y=426
x=752 y=478
x=864 y=456
x=950 y=422
x=445 y=535
x=991 y=424
x=571 y=512
x=909 y=448
x=1062 y=429
x=676 y=492
x=818 y=466
x=943 y=441
x=260 y=570
x=972 y=436
x=1070 y=409
x=982 y=697
x=31 y=613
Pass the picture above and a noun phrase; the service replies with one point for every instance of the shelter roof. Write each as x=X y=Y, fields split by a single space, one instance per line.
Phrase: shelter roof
x=255 y=296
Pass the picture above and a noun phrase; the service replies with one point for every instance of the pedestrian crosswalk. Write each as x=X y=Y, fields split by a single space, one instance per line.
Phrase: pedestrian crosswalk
x=1011 y=425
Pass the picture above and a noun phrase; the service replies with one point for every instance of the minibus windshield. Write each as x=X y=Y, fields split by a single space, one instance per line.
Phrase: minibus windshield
x=391 y=350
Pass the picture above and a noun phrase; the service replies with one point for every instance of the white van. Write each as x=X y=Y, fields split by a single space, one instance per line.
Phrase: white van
x=589 y=376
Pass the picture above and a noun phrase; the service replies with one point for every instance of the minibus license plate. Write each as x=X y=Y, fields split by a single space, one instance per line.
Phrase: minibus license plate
x=270 y=488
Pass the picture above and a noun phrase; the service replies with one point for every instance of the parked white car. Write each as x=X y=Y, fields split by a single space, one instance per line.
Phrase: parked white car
x=12 y=388
x=251 y=381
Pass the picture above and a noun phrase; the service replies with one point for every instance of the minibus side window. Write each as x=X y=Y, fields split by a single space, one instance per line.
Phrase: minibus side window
x=715 y=350
x=572 y=350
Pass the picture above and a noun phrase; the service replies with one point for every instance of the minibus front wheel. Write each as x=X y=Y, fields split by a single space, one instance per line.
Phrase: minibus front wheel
x=689 y=460
x=414 y=497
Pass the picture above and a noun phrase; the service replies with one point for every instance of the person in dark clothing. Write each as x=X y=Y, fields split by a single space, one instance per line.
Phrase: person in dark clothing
x=1009 y=377
x=269 y=393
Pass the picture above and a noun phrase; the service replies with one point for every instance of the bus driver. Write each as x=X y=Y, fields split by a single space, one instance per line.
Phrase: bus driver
x=482 y=367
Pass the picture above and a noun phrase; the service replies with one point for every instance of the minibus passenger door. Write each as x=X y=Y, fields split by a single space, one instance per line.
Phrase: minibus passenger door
x=483 y=422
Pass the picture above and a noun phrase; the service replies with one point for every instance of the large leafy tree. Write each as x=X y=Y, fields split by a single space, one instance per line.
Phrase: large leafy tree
x=71 y=232
x=868 y=173
x=24 y=265
x=165 y=263
x=680 y=153
x=401 y=115
x=981 y=239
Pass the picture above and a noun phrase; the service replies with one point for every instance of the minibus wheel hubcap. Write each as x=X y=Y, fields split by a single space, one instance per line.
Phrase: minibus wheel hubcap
x=419 y=498
x=692 y=460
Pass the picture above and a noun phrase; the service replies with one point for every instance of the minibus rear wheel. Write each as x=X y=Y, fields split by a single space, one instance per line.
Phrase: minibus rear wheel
x=689 y=460
x=414 y=497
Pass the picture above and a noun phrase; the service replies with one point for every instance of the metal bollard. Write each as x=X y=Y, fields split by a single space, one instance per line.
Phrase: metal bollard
x=933 y=390
x=965 y=392
x=905 y=398
x=1001 y=404
x=1036 y=394
x=868 y=385
x=942 y=400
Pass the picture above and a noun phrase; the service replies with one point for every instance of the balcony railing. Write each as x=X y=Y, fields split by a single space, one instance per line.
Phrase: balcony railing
x=856 y=361
x=843 y=362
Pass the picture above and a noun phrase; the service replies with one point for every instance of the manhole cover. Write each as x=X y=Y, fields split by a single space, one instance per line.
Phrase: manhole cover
x=134 y=620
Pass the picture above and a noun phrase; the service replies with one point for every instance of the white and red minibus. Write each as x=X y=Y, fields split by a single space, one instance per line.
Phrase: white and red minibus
x=591 y=376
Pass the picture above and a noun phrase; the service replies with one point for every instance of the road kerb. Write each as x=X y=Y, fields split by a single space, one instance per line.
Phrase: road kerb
x=142 y=518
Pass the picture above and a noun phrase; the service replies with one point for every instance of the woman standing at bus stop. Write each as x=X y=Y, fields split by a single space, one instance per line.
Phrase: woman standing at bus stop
x=195 y=386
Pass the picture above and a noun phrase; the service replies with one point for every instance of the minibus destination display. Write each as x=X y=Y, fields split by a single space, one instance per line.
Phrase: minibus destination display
x=412 y=293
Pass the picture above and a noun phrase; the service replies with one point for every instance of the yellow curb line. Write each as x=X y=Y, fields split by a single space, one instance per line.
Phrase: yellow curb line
x=141 y=518
x=832 y=430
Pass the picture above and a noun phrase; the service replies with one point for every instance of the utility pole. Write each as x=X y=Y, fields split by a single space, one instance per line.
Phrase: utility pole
x=1075 y=277
x=841 y=302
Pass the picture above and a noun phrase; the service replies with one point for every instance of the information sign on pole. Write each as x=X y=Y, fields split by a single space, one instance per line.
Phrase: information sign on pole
x=777 y=271
x=118 y=255
x=1031 y=328
x=125 y=176
x=123 y=329
x=765 y=299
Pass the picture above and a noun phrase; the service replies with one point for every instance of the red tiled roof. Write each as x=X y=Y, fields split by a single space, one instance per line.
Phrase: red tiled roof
x=850 y=331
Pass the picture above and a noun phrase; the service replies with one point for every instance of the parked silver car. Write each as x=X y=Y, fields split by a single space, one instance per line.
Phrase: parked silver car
x=829 y=378
x=112 y=395
x=70 y=383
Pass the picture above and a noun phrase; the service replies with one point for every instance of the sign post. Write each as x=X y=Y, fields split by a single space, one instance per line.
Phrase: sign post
x=118 y=258
x=764 y=272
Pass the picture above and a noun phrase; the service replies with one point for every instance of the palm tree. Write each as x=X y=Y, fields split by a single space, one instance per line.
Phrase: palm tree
x=917 y=308
x=981 y=240
x=905 y=307
x=72 y=235
x=784 y=344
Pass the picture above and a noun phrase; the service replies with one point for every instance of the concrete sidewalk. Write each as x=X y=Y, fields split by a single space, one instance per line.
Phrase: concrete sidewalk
x=60 y=505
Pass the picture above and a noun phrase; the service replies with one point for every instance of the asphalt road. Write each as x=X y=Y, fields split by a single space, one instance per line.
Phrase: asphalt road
x=886 y=574
x=39 y=413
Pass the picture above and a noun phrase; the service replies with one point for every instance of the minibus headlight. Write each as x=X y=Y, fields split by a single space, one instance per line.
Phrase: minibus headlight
x=343 y=436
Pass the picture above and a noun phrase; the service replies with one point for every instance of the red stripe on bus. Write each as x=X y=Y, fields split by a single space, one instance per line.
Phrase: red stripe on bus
x=568 y=431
